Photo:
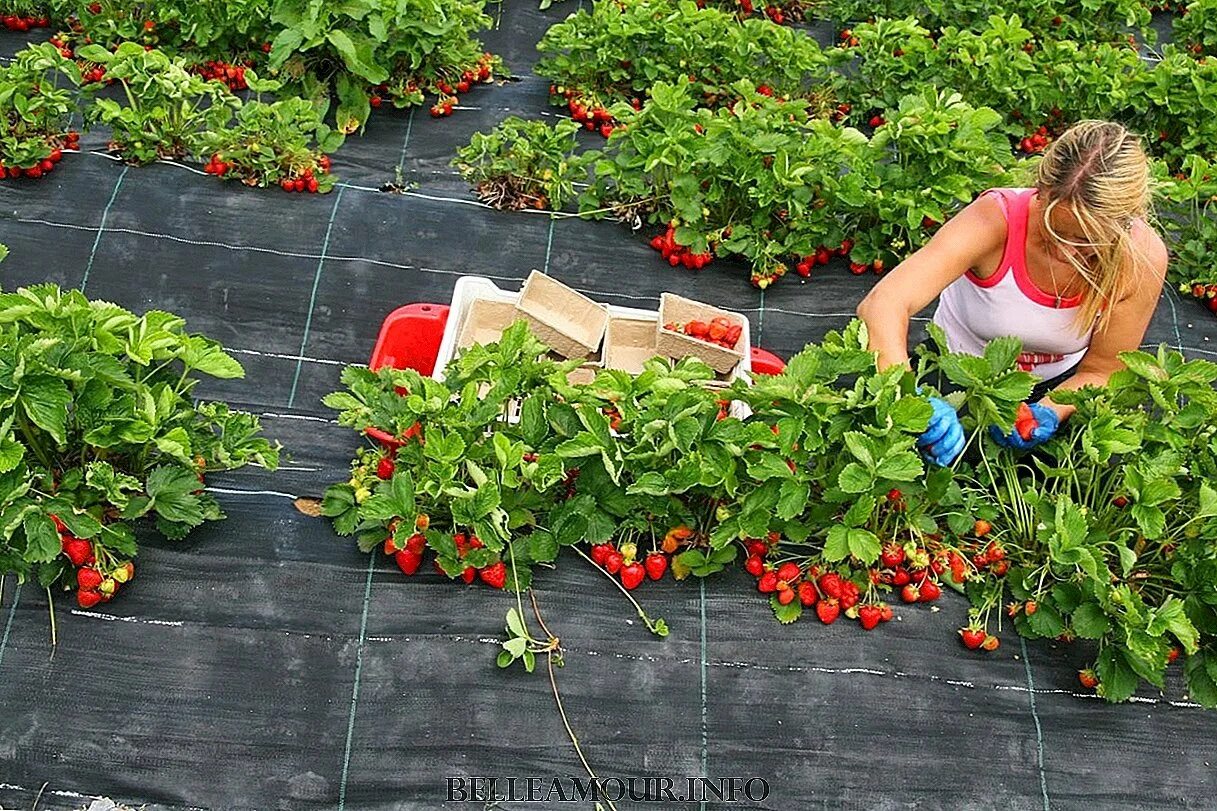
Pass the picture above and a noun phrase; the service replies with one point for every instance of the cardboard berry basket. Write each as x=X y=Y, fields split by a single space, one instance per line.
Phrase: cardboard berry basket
x=484 y=322
x=674 y=309
x=569 y=322
x=629 y=342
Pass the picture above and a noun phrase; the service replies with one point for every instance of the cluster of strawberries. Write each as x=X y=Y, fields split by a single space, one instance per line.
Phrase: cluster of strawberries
x=307 y=181
x=828 y=593
x=94 y=583
x=1206 y=293
x=44 y=166
x=17 y=22
x=410 y=557
x=589 y=112
x=679 y=254
x=482 y=72
x=623 y=562
x=229 y=74
x=1036 y=142
x=719 y=331
x=822 y=256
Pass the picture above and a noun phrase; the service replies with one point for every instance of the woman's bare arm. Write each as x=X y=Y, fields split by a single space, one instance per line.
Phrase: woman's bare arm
x=962 y=242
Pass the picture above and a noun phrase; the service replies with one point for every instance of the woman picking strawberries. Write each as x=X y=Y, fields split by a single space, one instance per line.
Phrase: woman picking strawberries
x=1071 y=267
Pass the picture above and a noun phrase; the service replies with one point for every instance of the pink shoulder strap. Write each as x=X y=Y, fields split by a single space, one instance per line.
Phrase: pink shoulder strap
x=1014 y=207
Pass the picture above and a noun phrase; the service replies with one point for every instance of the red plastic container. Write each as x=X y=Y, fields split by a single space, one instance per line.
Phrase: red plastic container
x=765 y=362
x=409 y=339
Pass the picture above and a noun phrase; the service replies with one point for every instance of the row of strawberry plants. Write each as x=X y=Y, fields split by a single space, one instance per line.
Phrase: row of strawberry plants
x=764 y=178
x=360 y=55
x=163 y=112
x=1041 y=82
x=617 y=51
x=505 y=467
x=1106 y=20
x=101 y=431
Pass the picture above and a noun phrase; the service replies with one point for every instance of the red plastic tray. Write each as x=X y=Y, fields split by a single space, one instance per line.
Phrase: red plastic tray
x=409 y=339
x=765 y=362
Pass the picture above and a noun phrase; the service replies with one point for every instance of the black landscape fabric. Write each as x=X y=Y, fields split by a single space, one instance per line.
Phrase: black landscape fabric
x=264 y=663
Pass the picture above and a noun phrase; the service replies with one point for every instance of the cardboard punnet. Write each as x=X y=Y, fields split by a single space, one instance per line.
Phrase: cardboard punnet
x=674 y=309
x=485 y=321
x=629 y=342
x=569 y=322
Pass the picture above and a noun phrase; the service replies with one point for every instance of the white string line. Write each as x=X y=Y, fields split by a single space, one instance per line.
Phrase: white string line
x=835 y=671
x=78 y=796
x=231 y=491
x=136 y=620
x=285 y=356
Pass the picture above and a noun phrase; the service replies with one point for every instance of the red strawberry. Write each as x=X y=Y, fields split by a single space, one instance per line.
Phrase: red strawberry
x=910 y=593
x=991 y=643
x=786 y=596
x=877 y=121
x=408 y=561
x=885 y=612
x=1088 y=678
x=930 y=591
x=88 y=598
x=78 y=551
x=60 y=527
x=869 y=616
x=807 y=593
x=900 y=576
x=656 y=564
x=1172 y=655
x=384 y=470
x=390 y=547
x=494 y=575
x=830 y=585
x=632 y=575
x=469 y=574
x=88 y=578
x=768 y=582
x=972 y=637
x=757 y=547
x=416 y=543
x=892 y=556
x=982 y=528
x=613 y=561
x=823 y=255
x=828 y=611
x=789 y=572
x=1120 y=501
x=600 y=552
x=849 y=594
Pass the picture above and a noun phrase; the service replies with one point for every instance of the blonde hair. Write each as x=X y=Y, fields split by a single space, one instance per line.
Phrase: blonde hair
x=1098 y=171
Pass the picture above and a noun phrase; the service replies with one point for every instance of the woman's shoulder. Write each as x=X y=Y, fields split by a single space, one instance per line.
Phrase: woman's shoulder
x=1152 y=248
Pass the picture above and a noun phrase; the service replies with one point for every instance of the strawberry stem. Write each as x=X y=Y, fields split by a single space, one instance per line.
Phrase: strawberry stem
x=553 y=683
x=652 y=625
x=50 y=602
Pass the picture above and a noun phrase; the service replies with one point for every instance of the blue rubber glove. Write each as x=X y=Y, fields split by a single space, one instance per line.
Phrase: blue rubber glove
x=943 y=439
x=1048 y=423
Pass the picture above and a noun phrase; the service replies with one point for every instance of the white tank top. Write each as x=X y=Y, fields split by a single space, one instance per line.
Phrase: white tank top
x=973 y=311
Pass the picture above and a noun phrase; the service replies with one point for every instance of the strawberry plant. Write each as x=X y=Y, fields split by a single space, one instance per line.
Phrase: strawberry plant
x=38 y=94
x=163 y=110
x=1195 y=29
x=99 y=429
x=941 y=153
x=229 y=31
x=1093 y=20
x=1107 y=534
x=25 y=15
x=618 y=50
x=757 y=179
x=523 y=164
x=282 y=143
x=371 y=51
